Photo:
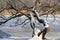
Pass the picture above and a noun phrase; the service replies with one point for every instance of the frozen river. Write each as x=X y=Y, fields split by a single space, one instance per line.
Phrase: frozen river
x=23 y=33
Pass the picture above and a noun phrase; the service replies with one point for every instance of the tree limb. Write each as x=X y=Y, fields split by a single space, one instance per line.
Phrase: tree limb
x=10 y=19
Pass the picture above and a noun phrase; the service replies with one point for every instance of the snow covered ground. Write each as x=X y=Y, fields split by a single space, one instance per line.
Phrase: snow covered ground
x=24 y=33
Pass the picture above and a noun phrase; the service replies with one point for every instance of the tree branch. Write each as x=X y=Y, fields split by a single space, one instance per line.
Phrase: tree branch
x=10 y=19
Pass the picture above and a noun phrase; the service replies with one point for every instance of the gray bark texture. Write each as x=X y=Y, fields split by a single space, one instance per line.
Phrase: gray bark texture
x=18 y=4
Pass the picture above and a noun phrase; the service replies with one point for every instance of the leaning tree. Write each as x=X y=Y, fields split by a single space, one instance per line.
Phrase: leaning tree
x=18 y=8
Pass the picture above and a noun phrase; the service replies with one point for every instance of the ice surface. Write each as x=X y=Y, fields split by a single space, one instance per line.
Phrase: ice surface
x=24 y=33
